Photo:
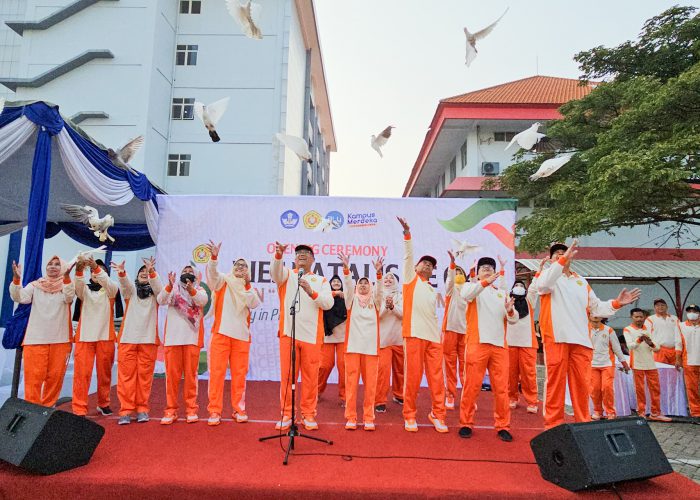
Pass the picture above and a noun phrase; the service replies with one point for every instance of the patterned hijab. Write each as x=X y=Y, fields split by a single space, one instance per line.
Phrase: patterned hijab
x=52 y=285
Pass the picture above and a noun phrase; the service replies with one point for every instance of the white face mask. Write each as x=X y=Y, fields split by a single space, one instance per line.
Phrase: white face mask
x=519 y=291
x=693 y=316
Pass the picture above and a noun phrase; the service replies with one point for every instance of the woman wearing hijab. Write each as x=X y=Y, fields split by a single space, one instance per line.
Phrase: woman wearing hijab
x=183 y=338
x=522 y=347
x=361 y=342
x=137 y=341
x=47 y=341
x=334 y=341
x=234 y=298
x=95 y=336
x=454 y=330
x=390 y=372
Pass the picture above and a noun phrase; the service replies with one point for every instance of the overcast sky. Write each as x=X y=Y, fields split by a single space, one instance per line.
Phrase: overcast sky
x=389 y=62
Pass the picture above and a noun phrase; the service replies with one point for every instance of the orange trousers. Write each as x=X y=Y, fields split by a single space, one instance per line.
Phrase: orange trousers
x=181 y=361
x=665 y=355
x=572 y=361
x=389 y=373
x=332 y=355
x=308 y=359
x=480 y=357
x=357 y=365
x=423 y=356
x=88 y=355
x=224 y=352
x=135 y=365
x=602 y=392
x=652 y=378
x=692 y=380
x=454 y=347
x=522 y=363
x=44 y=368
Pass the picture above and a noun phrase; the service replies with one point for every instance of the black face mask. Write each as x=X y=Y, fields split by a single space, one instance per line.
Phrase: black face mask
x=185 y=277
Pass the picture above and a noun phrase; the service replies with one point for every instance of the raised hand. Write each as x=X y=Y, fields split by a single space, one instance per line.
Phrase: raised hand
x=452 y=256
x=389 y=302
x=378 y=264
x=214 y=248
x=67 y=273
x=404 y=225
x=571 y=251
x=542 y=263
x=16 y=270
x=120 y=267
x=91 y=262
x=280 y=248
x=197 y=278
x=171 y=278
x=344 y=259
x=150 y=264
x=509 y=305
x=502 y=262
x=627 y=297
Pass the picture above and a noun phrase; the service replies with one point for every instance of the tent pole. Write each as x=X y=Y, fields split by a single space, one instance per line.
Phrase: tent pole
x=679 y=306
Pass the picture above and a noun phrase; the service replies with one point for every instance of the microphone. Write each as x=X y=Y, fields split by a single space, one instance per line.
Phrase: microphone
x=301 y=272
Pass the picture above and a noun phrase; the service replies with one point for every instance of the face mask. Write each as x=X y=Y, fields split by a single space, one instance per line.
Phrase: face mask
x=460 y=279
x=185 y=277
x=693 y=316
x=519 y=291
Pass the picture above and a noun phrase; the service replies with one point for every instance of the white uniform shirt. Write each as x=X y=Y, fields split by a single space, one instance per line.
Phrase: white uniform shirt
x=691 y=336
x=178 y=329
x=641 y=354
x=666 y=330
x=486 y=313
x=390 y=324
x=363 y=322
x=140 y=322
x=49 y=318
x=96 y=309
x=522 y=333
x=419 y=301
x=455 y=319
x=605 y=344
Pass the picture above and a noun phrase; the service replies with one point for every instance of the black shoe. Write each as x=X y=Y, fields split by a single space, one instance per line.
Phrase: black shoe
x=104 y=410
x=485 y=387
x=398 y=401
x=505 y=435
x=465 y=432
x=380 y=408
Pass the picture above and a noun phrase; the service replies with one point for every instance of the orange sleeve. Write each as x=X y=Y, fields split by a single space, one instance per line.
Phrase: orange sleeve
x=123 y=273
x=79 y=274
x=150 y=275
x=562 y=260
x=453 y=265
x=407 y=236
x=168 y=288
x=616 y=304
x=484 y=283
x=214 y=257
x=346 y=271
x=314 y=296
x=193 y=292
x=66 y=280
x=248 y=286
x=16 y=281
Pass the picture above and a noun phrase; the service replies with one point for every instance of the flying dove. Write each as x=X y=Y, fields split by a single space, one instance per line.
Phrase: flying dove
x=211 y=114
x=463 y=248
x=325 y=226
x=379 y=141
x=473 y=37
x=88 y=215
x=527 y=138
x=550 y=166
x=84 y=254
x=121 y=157
x=298 y=145
x=247 y=15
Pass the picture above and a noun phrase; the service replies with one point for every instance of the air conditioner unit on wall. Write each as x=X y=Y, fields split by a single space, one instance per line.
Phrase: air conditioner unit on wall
x=490 y=168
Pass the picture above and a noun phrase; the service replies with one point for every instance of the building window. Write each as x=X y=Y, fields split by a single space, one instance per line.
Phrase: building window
x=463 y=154
x=453 y=169
x=183 y=108
x=440 y=186
x=503 y=136
x=186 y=55
x=179 y=165
x=190 y=6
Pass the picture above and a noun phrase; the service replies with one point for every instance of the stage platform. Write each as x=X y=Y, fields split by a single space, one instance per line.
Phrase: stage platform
x=197 y=461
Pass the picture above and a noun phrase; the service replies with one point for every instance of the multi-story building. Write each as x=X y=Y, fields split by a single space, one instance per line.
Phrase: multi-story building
x=466 y=144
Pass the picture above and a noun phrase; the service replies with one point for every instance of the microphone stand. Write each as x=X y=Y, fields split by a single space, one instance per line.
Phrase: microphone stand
x=293 y=431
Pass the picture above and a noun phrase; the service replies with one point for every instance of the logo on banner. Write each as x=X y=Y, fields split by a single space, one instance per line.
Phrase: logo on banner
x=363 y=219
x=289 y=219
x=201 y=254
x=312 y=219
x=336 y=219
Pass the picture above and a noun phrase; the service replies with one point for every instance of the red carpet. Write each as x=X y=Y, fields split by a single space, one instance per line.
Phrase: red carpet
x=190 y=461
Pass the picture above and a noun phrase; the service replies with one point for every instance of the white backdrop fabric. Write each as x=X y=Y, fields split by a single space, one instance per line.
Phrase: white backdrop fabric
x=366 y=228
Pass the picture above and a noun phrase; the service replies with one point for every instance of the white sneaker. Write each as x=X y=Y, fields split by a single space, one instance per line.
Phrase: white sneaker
x=283 y=424
x=142 y=417
x=350 y=425
x=410 y=425
x=437 y=423
x=513 y=405
x=124 y=420
x=532 y=408
x=369 y=426
x=168 y=419
x=595 y=416
x=191 y=419
x=241 y=418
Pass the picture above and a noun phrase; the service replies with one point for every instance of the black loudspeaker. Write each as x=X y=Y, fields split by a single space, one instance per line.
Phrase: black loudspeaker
x=594 y=454
x=43 y=440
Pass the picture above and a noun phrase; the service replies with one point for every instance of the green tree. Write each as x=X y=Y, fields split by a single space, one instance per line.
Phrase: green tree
x=636 y=137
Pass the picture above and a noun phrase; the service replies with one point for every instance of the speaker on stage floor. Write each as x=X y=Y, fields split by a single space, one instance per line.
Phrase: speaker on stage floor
x=594 y=454
x=43 y=440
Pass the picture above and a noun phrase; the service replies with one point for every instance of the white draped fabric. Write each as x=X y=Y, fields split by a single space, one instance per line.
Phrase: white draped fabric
x=151 y=219
x=14 y=134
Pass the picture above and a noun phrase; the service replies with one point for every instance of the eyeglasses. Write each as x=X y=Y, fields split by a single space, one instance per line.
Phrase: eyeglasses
x=486 y=268
x=240 y=264
x=304 y=252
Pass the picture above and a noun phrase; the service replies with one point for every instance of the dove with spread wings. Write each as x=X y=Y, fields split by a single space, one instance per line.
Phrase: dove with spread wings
x=210 y=115
x=378 y=141
x=298 y=145
x=123 y=156
x=90 y=217
x=473 y=37
x=247 y=15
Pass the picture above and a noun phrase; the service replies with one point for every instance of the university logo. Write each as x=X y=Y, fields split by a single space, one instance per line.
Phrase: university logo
x=312 y=219
x=201 y=254
x=289 y=219
x=336 y=219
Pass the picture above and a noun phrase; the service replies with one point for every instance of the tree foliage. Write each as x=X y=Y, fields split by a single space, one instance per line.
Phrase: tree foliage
x=637 y=139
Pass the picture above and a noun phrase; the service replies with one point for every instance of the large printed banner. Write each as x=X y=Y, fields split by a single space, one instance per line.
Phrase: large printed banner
x=364 y=228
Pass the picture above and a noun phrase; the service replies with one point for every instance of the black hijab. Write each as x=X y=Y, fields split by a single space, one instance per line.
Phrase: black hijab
x=143 y=290
x=520 y=304
x=95 y=287
x=336 y=314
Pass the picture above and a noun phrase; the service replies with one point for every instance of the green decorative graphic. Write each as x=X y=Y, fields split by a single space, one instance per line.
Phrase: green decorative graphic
x=475 y=214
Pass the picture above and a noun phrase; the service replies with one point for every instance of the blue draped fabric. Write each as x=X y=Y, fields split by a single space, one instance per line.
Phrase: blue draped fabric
x=13 y=250
x=50 y=123
x=127 y=236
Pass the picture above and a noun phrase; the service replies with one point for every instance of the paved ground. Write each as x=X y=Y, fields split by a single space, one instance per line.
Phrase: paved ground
x=680 y=441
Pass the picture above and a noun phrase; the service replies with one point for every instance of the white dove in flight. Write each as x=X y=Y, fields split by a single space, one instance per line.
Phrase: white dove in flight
x=210 y=115
x=550 y=166
x=378 y=141
x=462 y=248
x=527 y=138
x=247 y=15
x=123 y=156
x=89 y=216
x=298 y=145
x=473 y=37
x=84 y=254
x=325 y=226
